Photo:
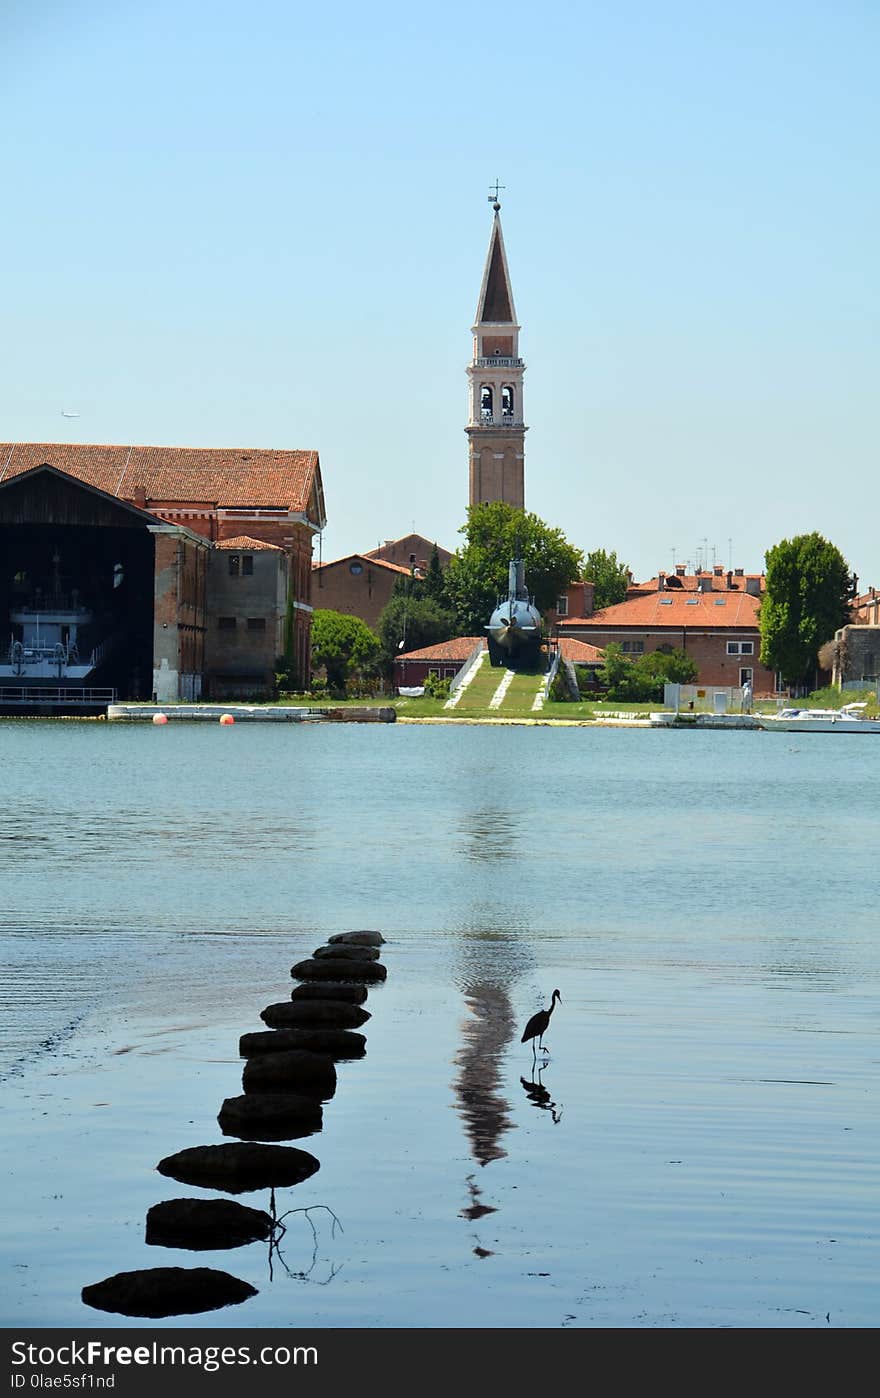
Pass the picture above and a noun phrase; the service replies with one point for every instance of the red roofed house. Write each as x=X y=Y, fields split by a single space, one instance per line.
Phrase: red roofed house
x=444 y=658
x=358 y=585
x=711 y=614
x=164 y=571
x=412 y=551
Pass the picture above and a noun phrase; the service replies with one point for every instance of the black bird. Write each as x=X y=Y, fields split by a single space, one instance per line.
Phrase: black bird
x=538 y=1024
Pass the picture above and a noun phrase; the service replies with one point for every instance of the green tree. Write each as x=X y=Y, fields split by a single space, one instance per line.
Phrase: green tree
x=610 y=578
x=640 y=680
x=434 y=581
x=615 y=672
x=667 y=666
x=806 y=599
x=477 y=573
x=344 y=645
x=415 y=620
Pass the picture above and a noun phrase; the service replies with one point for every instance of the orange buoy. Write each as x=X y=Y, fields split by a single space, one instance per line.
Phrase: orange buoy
x=160 y=718
x=226 y=718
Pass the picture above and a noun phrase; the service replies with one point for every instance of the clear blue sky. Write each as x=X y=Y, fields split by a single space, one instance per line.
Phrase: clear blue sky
x=265 y=225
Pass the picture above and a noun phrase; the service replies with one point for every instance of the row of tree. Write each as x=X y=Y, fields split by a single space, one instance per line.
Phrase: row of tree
x=808 y=589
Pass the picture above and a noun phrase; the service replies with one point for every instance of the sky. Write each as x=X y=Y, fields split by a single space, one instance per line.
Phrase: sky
x=265 y=225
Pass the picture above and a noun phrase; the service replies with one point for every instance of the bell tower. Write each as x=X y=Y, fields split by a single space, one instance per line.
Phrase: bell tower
x=495 y=430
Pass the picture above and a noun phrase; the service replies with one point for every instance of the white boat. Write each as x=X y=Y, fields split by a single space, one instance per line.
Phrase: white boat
x=849 y=719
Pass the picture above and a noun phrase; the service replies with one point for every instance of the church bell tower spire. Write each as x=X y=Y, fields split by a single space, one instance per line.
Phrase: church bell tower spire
x=495 y=430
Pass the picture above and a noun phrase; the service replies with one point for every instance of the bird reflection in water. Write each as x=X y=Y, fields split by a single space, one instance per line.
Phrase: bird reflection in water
x=539 y=1096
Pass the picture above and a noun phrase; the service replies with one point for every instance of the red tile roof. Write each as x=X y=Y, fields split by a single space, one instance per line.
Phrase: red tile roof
x=365 y=558
x=704 y=611
x=227 y=477
x=457 y=649
x=580 y=652
x=690 y=582
x=244 y=543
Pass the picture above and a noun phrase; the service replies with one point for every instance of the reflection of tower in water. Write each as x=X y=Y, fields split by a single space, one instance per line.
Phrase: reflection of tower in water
x=494 y=952
x=486 y=1036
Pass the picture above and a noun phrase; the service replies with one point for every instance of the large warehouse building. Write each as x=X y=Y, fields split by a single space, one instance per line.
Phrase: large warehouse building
x=166 y=573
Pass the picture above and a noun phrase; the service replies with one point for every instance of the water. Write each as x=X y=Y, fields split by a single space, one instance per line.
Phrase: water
x=704 y=1151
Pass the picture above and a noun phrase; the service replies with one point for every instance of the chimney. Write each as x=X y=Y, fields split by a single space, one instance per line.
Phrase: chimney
x=705 y=582
x=718 y=570
x=679 y=570
x=589 y=595
x=729 y=577
x=140 y=497
x=738 y=572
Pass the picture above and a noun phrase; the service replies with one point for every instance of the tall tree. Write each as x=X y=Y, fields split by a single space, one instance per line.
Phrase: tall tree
x=806 y=599
x=434 y=582
x=610 y=578
x=344 y=645
x=410 y=621
x=476 y=575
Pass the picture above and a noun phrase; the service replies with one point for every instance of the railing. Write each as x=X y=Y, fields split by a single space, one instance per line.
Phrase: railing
x=497 y=420
x=45 y=694
x=497 y=361
x=52 y=602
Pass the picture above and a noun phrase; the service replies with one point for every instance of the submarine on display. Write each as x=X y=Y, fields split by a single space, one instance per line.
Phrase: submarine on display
x=514 y=629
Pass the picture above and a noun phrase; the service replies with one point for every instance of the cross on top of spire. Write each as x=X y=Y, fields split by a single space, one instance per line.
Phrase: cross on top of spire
x=493 y=195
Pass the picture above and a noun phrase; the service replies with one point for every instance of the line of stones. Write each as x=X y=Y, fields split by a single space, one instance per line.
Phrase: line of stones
x=289 y=1073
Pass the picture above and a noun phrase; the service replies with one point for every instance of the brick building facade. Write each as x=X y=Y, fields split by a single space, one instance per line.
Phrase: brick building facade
x=359 y=585
x=712 y=614
x=189 y=504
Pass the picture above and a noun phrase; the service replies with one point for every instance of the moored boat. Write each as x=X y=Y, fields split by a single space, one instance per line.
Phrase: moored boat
x=849 y=719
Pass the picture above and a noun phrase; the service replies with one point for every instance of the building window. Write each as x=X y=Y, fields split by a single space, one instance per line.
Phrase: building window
x=256 y=623
x=485 y=401
x=448 y=672
x=434 y=670
x=241 y=565
x=740 y=647
x=633 y=647
x=356 y=569
x=226 y=623
x=507 y=400
x=562 y=606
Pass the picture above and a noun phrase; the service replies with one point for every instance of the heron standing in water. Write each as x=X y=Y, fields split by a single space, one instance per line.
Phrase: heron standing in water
x=538 y=1024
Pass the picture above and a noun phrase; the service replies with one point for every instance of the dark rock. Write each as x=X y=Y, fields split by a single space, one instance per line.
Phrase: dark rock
x=237 y=1168
x=161 y=1291
x=312 y=1074
x=357 y=939
x=325 y=1014
x=337 y=968
x=346 y=953
x=330 y=990
x=270 y=1116
x=199 y=1224
x=337 y=1043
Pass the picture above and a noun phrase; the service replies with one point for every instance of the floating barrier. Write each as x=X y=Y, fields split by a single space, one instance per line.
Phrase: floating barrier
x=334 y=991
x=314 y=1014
x=162 y=1291
x=337 y=968
x=201 y=1224
x=240 y=1168
x=299 y=1070
x=270 y=1116
x=335 y=1043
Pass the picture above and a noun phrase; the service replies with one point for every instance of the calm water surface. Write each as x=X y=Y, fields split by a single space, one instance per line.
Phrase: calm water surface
x=701 y=1149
